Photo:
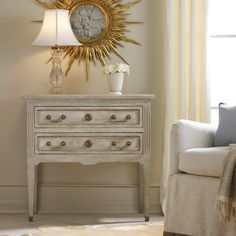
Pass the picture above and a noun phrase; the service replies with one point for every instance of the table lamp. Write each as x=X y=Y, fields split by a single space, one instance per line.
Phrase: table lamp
x=56 y=32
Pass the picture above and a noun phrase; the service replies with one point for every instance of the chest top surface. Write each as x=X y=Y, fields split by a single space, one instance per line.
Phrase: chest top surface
x=90 y=96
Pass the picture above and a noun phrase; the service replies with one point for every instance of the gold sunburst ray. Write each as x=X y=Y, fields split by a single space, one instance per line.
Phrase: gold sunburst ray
x=114 y=34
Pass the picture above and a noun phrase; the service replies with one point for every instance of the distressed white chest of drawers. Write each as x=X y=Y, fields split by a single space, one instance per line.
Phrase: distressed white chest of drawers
x=89 y=129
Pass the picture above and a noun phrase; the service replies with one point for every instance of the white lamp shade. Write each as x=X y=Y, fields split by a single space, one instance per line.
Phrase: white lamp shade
x=56 y=30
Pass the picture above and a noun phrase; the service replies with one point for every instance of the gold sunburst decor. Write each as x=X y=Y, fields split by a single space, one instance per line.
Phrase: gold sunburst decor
x=100 y=25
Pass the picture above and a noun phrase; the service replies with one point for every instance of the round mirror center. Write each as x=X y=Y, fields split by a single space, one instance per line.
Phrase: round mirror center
x=88 y=22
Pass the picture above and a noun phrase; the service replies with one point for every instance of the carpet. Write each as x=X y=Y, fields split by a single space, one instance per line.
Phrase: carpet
x=150 y=229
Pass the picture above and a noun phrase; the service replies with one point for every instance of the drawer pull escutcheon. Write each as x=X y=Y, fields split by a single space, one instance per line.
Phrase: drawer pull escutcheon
x=113 y=117
x=48 y=144
x=113 y=143
x=128 y=143
x=88 y=117
x=63 y=144
x=48 y=117
x=88 y=143
x=63 y=117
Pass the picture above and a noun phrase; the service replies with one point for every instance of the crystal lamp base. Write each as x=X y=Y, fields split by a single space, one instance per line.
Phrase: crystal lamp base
x=56 y=78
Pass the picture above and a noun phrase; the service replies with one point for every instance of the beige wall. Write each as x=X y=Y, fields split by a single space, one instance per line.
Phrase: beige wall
x=24 y=71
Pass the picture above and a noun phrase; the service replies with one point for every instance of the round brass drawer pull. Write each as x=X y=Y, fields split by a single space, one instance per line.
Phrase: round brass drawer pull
x=113 y=117
x=128 y=143
x=88 y=143
x=48 y=144
x=113 y=143
x=48 y=117
x=88 y=117
x=63 y=144
x=63 y=117
x=128 y=117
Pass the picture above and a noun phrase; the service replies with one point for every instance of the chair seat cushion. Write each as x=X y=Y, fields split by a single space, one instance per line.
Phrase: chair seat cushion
x=204 y=161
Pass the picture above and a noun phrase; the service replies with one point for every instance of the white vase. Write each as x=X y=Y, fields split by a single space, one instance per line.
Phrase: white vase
x=115 y=82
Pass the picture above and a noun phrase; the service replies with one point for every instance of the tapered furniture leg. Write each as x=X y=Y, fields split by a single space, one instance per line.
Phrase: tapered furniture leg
x=141 y=188
x=146 y=190
x=31 y=190
x=35 y=189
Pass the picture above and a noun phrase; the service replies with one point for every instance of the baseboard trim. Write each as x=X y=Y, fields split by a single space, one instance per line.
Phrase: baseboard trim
x=72 y=198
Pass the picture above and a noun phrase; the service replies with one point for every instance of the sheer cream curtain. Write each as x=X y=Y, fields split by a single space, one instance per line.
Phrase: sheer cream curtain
x=186 y=84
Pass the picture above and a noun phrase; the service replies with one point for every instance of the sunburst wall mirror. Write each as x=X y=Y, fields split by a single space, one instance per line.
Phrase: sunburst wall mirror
x=99 y=25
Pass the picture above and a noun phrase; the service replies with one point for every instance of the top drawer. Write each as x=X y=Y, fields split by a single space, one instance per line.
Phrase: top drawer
x=50 y=117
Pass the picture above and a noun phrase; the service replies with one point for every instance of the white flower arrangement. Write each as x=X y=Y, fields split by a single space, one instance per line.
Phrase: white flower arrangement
x=116 y=68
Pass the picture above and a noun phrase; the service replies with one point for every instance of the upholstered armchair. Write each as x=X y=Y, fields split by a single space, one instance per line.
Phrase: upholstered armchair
x=194 y=177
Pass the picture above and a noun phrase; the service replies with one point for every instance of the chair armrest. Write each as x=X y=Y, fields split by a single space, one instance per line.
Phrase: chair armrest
x=188 y=134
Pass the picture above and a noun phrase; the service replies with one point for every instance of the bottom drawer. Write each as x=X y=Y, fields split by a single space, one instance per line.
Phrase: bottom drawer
x=68 y=144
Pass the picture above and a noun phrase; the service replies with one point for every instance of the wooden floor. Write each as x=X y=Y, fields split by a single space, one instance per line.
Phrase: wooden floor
x=18 y=223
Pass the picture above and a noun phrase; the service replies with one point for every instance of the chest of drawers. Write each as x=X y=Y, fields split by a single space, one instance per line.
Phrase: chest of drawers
x=88 y=129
